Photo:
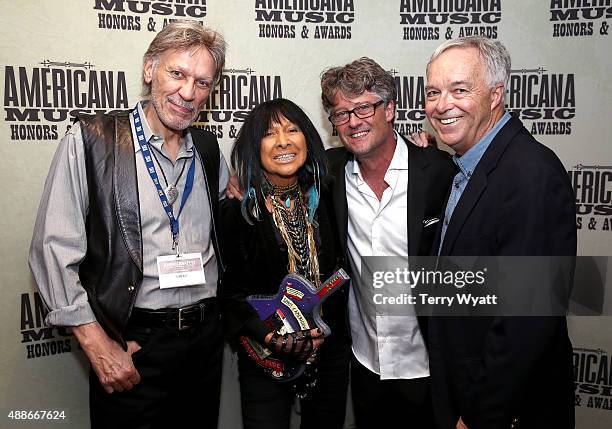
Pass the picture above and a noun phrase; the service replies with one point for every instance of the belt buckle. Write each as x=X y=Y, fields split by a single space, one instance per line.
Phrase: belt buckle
x=197 y=307
x=182 y=327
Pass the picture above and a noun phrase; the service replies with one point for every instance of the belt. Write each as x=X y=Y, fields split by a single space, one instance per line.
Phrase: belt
x=176 y=318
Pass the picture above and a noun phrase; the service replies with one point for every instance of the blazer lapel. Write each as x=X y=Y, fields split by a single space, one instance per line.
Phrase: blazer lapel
x=436 y=244
x=125 y=189
x=478 y=182
x=340 y=203
x=471 y=194
x=417 y=183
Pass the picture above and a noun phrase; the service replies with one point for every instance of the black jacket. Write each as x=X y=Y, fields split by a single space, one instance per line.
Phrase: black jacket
x=256 y=264
x=493 y=370
x=111 y=272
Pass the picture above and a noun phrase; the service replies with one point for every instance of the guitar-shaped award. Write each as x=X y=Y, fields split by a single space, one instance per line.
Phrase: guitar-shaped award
x=296 y=306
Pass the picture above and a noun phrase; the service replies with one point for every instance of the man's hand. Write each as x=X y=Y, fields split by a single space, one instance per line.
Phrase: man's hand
x=113 y=365
x=460 y=424
x=422 y=139
x=233 y=188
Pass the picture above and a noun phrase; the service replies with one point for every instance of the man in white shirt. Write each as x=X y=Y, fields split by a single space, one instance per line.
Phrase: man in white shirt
x=388 y=195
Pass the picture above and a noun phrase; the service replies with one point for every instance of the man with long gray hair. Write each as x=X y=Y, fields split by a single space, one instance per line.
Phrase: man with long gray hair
x=125 y=248
x=511 y=197
x=389 y=196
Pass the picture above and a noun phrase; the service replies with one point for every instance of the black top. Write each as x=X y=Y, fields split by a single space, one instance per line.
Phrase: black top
x=256 y=264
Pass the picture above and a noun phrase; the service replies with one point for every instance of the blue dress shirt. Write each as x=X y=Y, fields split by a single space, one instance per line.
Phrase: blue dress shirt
x=467 y=164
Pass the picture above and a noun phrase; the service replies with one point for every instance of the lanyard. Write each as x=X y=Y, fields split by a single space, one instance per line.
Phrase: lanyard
x=146 y=154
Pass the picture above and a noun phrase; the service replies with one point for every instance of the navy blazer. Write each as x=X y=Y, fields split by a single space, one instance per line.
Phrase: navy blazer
x=493 y=371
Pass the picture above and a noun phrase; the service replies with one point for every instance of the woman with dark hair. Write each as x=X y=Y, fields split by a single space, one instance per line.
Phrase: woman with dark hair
x=284 y=224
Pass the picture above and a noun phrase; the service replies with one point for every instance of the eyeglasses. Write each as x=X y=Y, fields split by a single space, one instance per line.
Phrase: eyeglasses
x=362 y=111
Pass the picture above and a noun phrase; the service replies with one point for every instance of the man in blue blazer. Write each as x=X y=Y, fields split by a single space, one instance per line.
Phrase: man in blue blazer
x=511 y=197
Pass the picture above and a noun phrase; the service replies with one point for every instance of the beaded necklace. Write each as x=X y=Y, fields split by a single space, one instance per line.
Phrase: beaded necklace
x=296 y=230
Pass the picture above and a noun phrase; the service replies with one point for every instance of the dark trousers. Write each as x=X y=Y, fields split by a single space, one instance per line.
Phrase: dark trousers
x=266 y=403
x=383 y=403
x=180 y=380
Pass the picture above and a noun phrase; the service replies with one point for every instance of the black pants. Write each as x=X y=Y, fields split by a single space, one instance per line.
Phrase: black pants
x=180 y=380
x=266 y=403
x=383 y=403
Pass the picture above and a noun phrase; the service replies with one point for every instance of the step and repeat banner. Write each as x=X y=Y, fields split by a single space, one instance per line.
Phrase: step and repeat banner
x=60 y=57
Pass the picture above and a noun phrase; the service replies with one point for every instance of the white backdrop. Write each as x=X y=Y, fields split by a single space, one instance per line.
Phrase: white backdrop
x=58 y=56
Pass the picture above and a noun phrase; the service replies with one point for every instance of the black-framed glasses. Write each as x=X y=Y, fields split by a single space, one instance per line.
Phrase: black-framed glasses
x=362 y=111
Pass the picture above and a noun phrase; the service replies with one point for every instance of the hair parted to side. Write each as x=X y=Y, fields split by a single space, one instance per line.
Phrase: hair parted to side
x=354 y=79
x=246 y=157
x=186 y=35
x=493 y=53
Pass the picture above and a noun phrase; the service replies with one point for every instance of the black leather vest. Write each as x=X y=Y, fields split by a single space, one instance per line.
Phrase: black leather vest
x=111 y=272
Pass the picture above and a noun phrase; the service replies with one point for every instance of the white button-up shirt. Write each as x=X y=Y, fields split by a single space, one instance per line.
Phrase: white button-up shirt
x=389 y=345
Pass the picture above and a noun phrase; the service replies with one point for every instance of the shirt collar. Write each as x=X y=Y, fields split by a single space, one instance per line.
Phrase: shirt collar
x=400 y=156
x=154 y=140
x=469 y=160
x=399 y=160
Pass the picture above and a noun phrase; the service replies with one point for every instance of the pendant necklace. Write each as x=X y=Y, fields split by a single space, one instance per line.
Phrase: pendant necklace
x=170 y=190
